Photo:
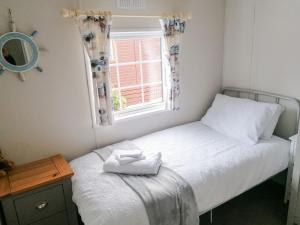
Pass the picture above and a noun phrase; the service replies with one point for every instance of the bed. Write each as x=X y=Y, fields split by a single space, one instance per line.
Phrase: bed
x=218 y=169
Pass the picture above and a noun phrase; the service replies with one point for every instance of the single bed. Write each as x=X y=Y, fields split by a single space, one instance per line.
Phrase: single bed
x=218 y=169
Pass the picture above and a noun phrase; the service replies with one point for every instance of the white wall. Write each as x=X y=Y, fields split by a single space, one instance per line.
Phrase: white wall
x=262 y=46
x=50 y=112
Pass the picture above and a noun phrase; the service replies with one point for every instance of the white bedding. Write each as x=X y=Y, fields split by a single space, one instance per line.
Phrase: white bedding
x=218 y=168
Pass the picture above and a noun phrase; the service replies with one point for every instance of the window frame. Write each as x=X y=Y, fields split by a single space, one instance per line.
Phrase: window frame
x=143 y=108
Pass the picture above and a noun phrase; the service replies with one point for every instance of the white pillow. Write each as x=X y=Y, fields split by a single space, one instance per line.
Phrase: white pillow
x=242 y=119
x=269 y=130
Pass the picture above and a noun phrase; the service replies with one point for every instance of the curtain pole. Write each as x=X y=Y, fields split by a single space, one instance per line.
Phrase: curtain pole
x=77 y=13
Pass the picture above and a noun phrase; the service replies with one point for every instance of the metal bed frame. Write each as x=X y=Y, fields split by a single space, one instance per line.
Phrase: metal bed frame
x=257 y=95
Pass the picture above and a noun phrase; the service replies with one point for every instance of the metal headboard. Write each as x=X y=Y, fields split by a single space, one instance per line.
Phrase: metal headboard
x=289 y=123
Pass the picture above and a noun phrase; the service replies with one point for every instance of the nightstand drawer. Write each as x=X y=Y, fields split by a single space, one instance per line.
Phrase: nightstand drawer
x=58 y=219
x=33 y=207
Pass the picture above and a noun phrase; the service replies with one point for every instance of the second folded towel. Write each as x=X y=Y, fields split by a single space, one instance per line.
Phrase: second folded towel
x=126 y=157
x=129 y=153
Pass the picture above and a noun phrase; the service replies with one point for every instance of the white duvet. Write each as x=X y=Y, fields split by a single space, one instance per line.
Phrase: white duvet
x=217 y=167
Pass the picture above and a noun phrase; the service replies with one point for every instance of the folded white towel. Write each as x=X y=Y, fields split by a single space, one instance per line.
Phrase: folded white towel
x=127 y=160
x=148 y=166
x=128 y=156
x=130 y=153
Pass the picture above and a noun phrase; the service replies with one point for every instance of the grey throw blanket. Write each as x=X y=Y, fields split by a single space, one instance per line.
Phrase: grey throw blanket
x=167 y=197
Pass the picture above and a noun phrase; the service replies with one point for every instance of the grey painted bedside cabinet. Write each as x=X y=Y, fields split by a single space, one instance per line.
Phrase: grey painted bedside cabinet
x=38 y=193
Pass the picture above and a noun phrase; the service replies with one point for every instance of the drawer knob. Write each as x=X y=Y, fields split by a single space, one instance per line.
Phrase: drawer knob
x=41 y=205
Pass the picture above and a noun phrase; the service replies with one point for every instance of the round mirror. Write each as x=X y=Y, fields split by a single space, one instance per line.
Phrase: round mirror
x=19 y=53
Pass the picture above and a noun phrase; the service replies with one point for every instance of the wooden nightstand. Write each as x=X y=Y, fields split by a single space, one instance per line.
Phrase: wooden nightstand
x=39 y=193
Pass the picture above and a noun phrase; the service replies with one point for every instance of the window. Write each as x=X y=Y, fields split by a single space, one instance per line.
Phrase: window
x=137 y=73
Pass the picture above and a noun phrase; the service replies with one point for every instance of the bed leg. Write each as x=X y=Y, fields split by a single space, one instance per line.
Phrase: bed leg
x=211 y=216
x=290 y=169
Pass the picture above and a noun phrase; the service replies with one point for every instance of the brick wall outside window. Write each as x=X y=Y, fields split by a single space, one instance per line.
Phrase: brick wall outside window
x=136 y=71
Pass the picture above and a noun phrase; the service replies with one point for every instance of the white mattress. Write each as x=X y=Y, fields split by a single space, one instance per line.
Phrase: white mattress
x=217 y=167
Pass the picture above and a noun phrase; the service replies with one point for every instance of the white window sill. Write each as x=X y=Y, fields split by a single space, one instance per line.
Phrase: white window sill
x=142 y=113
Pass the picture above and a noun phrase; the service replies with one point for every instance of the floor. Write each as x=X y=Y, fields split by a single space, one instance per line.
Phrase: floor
x=262 y=205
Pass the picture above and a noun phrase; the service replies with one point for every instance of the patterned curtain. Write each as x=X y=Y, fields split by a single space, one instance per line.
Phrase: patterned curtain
x=173 y=29
x=95 y=31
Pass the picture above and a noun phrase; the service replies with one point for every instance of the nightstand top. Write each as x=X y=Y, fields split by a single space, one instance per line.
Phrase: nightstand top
x=35 y=174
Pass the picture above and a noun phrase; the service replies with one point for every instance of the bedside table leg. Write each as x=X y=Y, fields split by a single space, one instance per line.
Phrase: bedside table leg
x=71 y=208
